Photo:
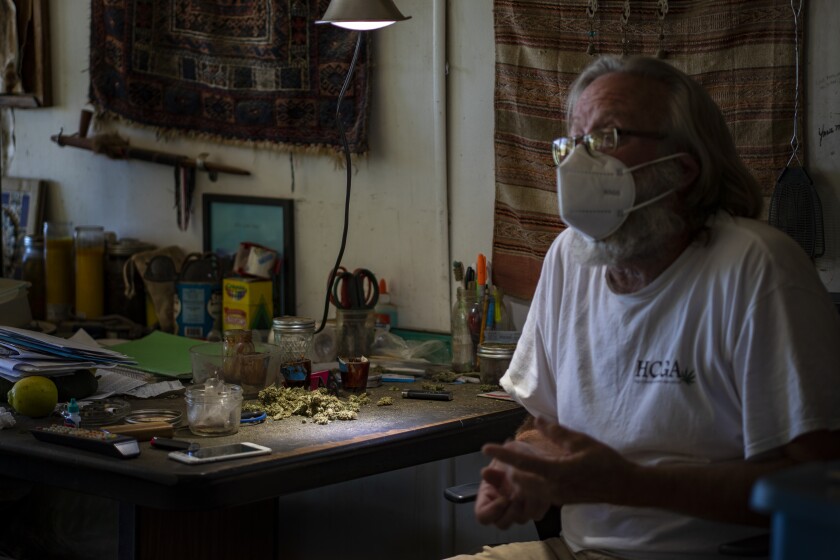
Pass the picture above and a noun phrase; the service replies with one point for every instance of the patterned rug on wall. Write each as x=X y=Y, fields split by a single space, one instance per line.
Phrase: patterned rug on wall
x=742 y=51
x=251 y=72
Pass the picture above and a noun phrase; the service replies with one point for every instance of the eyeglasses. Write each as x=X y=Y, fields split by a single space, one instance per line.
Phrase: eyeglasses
x=598 y=141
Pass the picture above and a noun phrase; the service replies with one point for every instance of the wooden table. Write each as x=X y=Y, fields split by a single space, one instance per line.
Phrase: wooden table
x=239 y=496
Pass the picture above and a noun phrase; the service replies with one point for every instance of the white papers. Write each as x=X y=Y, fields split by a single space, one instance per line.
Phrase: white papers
x=24 y=352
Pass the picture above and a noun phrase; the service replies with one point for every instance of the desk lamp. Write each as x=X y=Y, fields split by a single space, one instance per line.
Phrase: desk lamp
x=361 y=16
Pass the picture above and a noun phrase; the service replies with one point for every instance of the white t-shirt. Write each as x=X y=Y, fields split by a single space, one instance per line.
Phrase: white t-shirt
x=732 y=351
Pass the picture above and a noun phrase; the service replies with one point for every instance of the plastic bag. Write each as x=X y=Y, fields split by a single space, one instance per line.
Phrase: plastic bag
x=388 y=344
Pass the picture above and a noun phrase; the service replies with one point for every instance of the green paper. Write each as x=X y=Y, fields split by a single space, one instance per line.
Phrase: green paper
x=161 y=353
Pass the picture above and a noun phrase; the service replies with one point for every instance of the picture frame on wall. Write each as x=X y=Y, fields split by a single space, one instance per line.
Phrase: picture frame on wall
x=22 y=202
x=229 y=220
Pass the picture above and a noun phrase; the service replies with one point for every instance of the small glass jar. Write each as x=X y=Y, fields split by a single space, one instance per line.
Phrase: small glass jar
x=235 y=344
x=32 y=271
x=214 y=410
x=294 y=337
x=494 y=360
x=125 y=292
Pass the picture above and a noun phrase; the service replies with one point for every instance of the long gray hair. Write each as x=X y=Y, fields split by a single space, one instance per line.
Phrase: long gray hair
x=694 y=124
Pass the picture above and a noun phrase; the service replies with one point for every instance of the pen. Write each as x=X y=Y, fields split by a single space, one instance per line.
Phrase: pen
x=427 y=395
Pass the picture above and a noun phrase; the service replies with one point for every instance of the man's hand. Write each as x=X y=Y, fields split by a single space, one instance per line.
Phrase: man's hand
x=574 y=468
x=498 y=501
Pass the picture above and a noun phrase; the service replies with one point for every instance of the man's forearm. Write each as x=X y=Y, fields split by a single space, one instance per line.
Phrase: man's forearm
x=719 y=492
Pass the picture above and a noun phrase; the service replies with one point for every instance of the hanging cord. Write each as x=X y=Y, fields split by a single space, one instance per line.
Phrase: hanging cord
x=591 y=10
x=292 y=168
x=794 y=140
x=347 y=165
x=625 y=17
x=661 y=12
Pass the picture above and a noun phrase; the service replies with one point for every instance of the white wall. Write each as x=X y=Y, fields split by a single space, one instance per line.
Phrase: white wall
x=399 y=212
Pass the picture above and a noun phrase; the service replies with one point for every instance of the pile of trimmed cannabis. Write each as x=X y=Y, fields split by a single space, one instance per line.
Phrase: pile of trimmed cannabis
x=319 y=405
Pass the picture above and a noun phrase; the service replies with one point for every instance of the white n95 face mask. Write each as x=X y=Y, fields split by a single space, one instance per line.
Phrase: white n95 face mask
x=595 y=193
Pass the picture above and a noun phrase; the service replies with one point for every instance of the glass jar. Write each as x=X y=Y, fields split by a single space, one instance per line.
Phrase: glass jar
x=58 y=267
x=235 y=344
x=33 y=271
x=355 y=330
x=214 y=409
x=294 y=337
x=125 y=293
x=494 y=360
x=90 y=271
x=463 y=351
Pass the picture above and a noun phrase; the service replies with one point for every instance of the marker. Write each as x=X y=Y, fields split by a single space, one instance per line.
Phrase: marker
x=427 y=395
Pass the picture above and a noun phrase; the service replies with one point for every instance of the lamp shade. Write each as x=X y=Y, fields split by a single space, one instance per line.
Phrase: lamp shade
x=362 y=14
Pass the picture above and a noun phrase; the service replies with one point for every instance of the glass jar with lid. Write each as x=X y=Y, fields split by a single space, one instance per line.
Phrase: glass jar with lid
x=294 y=337
x=33 y=271
x=494 y=360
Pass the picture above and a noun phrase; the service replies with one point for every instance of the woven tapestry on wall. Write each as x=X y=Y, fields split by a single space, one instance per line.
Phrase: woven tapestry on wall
x=256 y=72
x=741 y=51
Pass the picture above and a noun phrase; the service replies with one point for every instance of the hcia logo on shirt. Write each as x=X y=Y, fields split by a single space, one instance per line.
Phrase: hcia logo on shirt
x=663 y=371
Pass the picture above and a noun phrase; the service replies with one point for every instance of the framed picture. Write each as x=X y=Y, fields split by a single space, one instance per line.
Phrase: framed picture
x=230 y=220
x=23 y=214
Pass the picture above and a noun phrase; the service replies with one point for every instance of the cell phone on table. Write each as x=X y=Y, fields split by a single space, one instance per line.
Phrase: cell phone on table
x=219 y=453
x=172 y=444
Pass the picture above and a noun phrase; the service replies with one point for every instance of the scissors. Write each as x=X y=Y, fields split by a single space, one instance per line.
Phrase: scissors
x=354 y=290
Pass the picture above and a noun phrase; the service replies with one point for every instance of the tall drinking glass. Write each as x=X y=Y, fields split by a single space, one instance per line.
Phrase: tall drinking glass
x=90 y=271
x=58 y=259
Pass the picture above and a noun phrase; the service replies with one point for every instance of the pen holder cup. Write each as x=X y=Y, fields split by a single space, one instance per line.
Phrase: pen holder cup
x=354 y=331
x=354 y=373
x=214 y=410
x=253 y=371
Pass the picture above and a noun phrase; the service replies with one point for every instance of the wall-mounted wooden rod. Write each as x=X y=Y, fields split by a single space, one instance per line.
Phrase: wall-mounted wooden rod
x=116 y=147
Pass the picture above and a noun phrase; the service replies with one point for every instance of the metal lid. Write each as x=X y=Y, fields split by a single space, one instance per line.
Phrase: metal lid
x=128 y=246
x=154 y=415
x=495 y=350
x=33 y=240
x=290 y=323
x=103 y=412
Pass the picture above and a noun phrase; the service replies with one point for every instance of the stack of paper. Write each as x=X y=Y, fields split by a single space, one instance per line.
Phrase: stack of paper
x=24 y=352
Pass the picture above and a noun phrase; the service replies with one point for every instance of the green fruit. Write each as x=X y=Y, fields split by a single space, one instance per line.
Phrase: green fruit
x=80 y=385
x=33 y=396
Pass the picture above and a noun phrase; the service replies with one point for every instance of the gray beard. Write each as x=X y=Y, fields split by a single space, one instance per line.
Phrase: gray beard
x=645 y=232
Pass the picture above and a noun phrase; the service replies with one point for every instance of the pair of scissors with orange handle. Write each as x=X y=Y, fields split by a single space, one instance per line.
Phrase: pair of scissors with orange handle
x=354 y=290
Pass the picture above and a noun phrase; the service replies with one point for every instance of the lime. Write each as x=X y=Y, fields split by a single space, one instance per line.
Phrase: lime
x=33 y=396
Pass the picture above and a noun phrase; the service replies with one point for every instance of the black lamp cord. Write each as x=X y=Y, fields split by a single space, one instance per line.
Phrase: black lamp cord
x=347 y=165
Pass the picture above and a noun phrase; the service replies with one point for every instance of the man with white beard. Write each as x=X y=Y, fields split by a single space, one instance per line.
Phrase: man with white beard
x=676 y=348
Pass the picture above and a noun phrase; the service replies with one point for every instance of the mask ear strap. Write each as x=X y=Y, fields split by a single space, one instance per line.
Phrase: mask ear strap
x=657 y=160
x=646 y=203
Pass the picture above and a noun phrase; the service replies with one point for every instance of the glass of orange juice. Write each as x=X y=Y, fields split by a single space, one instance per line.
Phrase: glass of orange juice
x=58 y=268
x=90 y=271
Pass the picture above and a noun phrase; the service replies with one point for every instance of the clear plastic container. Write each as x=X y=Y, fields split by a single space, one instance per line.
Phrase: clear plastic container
x=214 y=409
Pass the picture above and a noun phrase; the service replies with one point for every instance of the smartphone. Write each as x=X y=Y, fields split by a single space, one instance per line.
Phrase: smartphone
x=172 y=444
x=219 y=453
